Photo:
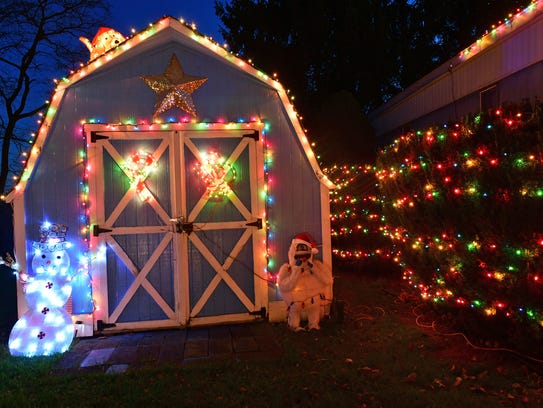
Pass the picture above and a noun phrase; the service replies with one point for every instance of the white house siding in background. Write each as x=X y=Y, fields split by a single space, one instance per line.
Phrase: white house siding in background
x=507 y=62
x=145 y=265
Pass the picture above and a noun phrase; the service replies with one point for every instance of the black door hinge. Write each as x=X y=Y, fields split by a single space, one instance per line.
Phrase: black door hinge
x=97 y=230
x=254 y=135
x=100 y=325
x=95 y=136
x=257 y=223
x=262 y=313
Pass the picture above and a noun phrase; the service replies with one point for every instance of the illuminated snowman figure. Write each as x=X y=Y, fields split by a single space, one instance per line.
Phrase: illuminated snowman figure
x=46 y=327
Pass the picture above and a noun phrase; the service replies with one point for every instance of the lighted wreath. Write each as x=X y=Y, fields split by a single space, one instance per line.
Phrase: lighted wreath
x=137 y=168
x=216 y=173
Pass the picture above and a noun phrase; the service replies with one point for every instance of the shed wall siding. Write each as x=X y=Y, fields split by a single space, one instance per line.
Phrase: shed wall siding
x=53 y=195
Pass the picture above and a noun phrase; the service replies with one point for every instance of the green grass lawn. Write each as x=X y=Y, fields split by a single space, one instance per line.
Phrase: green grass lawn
x=380 y=355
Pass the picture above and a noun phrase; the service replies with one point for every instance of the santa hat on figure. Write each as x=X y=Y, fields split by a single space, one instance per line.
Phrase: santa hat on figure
x=98 y=37
x=302 y=248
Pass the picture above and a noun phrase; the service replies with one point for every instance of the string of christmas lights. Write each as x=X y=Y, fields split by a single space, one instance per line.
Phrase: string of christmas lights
x=355 y=216
x=502 y=27
x=462 y=206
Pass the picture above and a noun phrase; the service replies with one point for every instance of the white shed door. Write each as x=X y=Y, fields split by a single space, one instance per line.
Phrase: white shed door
x=178 y=217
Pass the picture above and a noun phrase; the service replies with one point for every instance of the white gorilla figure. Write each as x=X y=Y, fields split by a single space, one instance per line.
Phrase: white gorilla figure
x=304 y=283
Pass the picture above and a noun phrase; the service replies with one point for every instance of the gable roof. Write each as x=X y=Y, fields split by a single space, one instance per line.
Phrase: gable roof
x=170 y=28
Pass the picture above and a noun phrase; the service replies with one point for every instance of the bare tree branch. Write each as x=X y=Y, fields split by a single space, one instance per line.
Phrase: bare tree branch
x=38 y=40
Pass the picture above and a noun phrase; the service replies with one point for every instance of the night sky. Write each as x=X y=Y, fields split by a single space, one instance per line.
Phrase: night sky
x=137 y=14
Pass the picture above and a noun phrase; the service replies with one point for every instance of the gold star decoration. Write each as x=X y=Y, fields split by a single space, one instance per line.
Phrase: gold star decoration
x=174 y=88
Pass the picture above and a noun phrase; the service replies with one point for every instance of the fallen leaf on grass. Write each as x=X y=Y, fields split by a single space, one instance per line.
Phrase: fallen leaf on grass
x=412 y=377
x=372 y=370
x=457 y=382
x=439 y=383
x=478 y=388
x=482 y=375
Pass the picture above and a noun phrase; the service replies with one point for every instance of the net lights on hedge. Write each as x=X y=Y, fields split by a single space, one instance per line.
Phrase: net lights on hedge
x=486 y=251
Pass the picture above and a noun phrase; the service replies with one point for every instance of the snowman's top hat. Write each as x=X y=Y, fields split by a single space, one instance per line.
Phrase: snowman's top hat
x=53 y=233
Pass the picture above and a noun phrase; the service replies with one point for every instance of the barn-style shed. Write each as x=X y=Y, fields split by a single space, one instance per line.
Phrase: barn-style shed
x=182 y=174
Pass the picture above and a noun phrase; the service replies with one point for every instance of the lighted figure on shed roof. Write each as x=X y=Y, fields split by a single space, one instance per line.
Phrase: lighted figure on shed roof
x=105 y=39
